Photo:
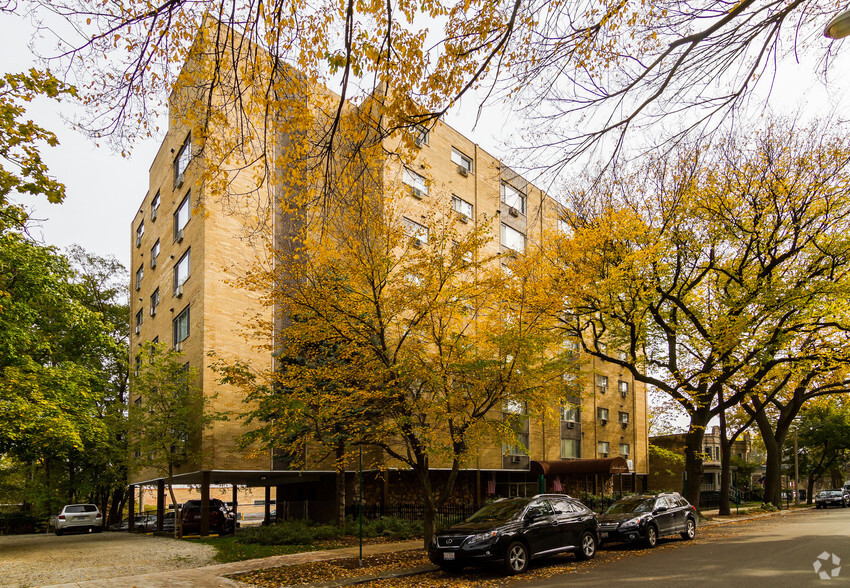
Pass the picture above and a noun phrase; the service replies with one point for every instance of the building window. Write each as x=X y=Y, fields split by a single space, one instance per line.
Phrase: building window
x=623 y=387
x=181 y=162
x=140 y=273
x=569 y=413
x=154 y=254
x=717 y=453
x=420 y=135
x=181 y=271
x=154 y=301
x=139 y=319
x=570 y=448
x=518 y=448
x=138 y=367
x=181 y=326
x=513 y=197
x=181 y=217
x=140 y=230
x=603 y=447
x=512 y=239
x=418 y=184
x=463 y=163
x=602 y=384
x=415 y=231
x=602 y=414
x=624 y=418
x=461 y=206
x=624 y=449
x=155 y=206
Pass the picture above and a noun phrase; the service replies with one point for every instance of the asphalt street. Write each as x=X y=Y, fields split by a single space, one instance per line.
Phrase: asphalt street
x=776 y=551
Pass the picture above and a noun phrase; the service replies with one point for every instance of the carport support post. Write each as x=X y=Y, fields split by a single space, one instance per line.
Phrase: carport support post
x=205 y=503
x=268 y=507
x=132 y=508
x=160 y=504
x=278 y=512
x=235 y=508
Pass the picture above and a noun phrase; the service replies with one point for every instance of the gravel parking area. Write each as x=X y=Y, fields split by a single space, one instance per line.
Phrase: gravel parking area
x=42 y=560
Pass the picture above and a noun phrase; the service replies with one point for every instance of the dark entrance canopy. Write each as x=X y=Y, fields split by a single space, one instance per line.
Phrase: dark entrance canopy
x=602 y=465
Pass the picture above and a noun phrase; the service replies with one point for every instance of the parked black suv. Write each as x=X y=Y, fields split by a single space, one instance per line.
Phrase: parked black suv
x=222 y=520
x=648 y=517
x=513 y=531
x=831 y=498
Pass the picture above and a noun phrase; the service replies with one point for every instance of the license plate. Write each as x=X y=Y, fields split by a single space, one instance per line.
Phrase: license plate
x=448 y=555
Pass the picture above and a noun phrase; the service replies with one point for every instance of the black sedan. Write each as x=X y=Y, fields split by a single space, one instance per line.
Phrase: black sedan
x=647 y=517
x=513 y=531
x=829 y=498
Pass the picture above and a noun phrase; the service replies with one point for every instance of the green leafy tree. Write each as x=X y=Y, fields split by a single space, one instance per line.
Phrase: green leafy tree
x=823 y=439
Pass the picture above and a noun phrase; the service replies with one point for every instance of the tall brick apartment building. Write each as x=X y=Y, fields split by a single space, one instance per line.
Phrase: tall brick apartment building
x=187 y=248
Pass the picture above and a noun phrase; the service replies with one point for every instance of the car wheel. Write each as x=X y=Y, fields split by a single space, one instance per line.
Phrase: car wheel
x=98 y=529
x=587 y=546
x=516 y=558
x=651 y=536
x=690 y=530
x=59 y=532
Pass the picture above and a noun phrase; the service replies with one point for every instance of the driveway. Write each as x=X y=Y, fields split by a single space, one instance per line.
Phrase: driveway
x=38 y=560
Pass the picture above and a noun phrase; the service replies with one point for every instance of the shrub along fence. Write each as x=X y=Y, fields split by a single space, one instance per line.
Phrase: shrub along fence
x=447 y=515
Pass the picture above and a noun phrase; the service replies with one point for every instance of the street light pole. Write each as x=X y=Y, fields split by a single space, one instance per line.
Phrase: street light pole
x=796 y=472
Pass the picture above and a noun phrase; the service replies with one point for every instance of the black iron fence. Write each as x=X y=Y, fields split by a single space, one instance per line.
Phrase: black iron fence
x=446 y=515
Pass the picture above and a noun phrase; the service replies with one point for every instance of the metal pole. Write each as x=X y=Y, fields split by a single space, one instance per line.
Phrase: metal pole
x=796 y=472
x=737 y=495
x=360 y=500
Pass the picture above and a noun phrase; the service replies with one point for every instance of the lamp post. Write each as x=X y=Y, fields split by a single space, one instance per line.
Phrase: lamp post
x=838 y=27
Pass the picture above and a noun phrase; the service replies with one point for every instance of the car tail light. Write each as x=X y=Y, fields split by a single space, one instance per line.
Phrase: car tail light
x=99 y=516
x=61 y=517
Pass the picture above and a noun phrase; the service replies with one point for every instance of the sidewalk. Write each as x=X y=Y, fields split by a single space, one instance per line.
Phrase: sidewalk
x=212 y=576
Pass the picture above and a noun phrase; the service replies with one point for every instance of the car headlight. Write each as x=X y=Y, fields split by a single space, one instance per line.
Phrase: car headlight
x=631 y=523
x=487 y=537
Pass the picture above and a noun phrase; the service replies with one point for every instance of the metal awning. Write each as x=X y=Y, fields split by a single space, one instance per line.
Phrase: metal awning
x=602 y=465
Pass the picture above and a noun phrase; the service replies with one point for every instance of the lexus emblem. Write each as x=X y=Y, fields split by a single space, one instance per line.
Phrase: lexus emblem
x=449 y=541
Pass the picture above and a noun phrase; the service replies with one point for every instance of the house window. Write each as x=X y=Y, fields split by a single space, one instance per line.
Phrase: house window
x=708 y=451
x=602 y=384
x=415 y=231
x=155 y=206
x=623 y=387
x=181 y=270
x=569 y=413
x=418 y=184
x=512 y=239
x=140 y=273
x=513 y=197
x=154 y=301
x=624 y=449
x=181 y=217
x=602 y=414
x=461 y=206
x=717 y=453
x=464 y=163
x=570 y=448
x=154 y=254
x=624 y=418
x=603 y=447
x=140 y=230
x=181 y=326
x=181 y=162
x=420 y=135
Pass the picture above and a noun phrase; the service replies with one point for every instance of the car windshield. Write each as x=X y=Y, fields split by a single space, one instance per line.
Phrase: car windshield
x=81 y=508
x=631 y=505
x=832 y=493
x=502 y=510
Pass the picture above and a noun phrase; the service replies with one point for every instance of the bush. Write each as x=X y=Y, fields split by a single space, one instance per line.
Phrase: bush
x=768 y=507
x=16 y=523
x=305 y=533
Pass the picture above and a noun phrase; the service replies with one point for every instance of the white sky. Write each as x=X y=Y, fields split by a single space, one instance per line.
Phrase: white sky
x=104 y=189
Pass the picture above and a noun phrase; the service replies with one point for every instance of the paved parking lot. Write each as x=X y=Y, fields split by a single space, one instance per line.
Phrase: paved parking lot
x=39 y=560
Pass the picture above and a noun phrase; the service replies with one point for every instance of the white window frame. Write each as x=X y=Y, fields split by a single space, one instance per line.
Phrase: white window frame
x=181 y=319
x=602 y=414
x=622 y=386
x=576 y=444
x=512 y=197
x=421 y=133
x=603 y=447
x=569 y=413
x=184 y=157
x=460 y=159
x=140 y=273
x=627 y=451
x=415 y=230
x=512 y=239
x=154 y=300
x=179 y=277
x=624 y=417
x=155 y=206
x=155 y=253
x=414 y=180
x=184 y=209
x=461 y=206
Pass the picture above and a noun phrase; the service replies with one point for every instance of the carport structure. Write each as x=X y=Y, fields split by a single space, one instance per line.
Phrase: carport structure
x=267 y=479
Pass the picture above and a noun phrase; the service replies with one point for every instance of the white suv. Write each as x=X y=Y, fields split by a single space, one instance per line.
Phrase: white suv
x=79 y=516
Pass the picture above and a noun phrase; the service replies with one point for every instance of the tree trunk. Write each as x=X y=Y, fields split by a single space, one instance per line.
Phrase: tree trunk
x=810 y=488
x=693 y=456
x=428 y=523
x=725 y=475
x=340 y=485
x=773 y=441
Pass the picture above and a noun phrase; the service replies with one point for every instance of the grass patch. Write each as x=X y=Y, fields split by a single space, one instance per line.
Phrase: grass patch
x=229 y=549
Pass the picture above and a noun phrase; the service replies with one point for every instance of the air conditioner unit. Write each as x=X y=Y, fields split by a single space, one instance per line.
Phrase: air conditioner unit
x=416 y=242
x=603 y=455
x=513 y=211
x=416 y=193
x=153 y=214
x=138 y=329
x=153 y=310
x=180 y=236
x=463 y=218
x=462 y=170
x=178 y=347
x=571 y=425
x=603 y=422
x=516 y=459
x=625 y=424
x=603 y=389
x=179 y=182
x=623 y=394
x=178 y=291
x=153 y=262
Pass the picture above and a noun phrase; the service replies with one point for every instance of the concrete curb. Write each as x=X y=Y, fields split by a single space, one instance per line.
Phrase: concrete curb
x=388 y=575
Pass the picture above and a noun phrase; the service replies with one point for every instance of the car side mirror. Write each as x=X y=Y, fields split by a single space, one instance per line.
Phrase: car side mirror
x=661 y=509
x=531 y=517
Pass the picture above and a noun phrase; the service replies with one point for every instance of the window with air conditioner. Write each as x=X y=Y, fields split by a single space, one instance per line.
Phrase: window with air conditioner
x=602 y=415
x=139 y=318
x=181 y=162
x=140 y=230
x=155 y=206
x=624 y=449
x=512 y=239
x=569 y=412
x=602 y=384
x=418 y=184
x=181 y=271
x=181 y=326
x=624 y=418
x=140 y=273
x=154 y=301
x=603 y=448
x=518 y=449
x=420 y=135
x=415 y=231
x=181 y=217
x=513 y=197
x=154 y=254
x=138 y=367
x=462 y=207
x=463 y=162
x=570 y=449
x=623 y=387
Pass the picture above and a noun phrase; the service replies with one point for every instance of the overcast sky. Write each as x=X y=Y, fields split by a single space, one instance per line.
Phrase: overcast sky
x=105 y=189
